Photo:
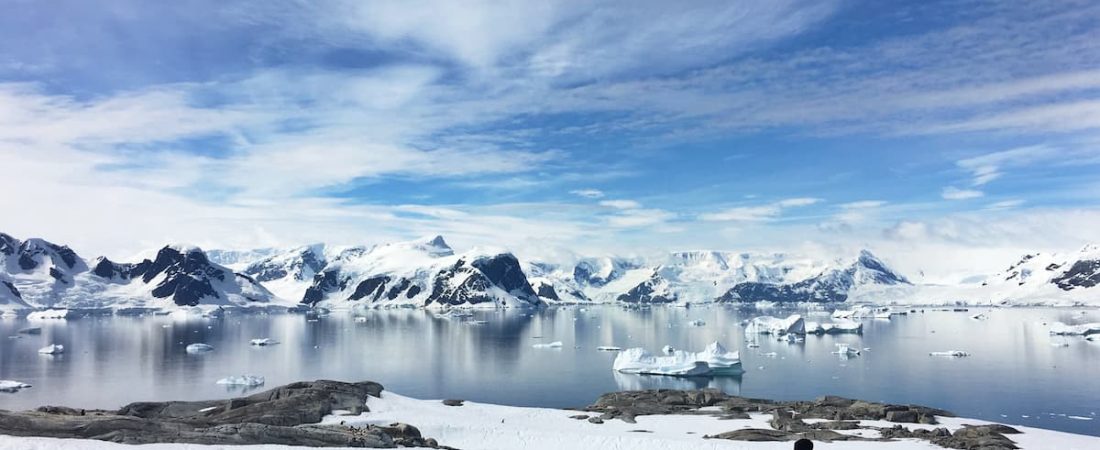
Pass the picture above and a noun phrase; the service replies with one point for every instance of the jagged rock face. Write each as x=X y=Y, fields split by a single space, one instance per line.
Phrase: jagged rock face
x=185 y=275
x=653 y=290
x=323 y=283
x=547 y=291
x=33 y=254
x=1082 y=274
x=478 y=278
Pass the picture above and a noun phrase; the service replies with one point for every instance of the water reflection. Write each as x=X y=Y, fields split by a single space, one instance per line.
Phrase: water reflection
x=1015 y=369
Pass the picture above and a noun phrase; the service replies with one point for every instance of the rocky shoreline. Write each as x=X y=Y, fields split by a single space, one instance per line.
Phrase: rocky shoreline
x=293 y=414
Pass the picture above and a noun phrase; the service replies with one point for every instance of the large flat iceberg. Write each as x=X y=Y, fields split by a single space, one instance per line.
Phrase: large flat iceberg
x=771 y=325
x=1061 y=329
x=49 y=314
x=713 y=360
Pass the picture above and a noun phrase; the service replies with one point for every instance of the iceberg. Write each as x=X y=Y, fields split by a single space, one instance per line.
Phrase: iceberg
x=844 y=350
x=264 y=342
x=697 y=323
x=667 y=349
x=242 y=380
x=11 y=386
x=771 y=325
x=30 y=330
x=49 y=314
x=608 y=348
x=200 y=348
x=1061 y=329
x=555 y=344
x=950 y=353
x=842 y=326
x=979 y=316
x=53 y=349
x=713 y=360
x=814 y=328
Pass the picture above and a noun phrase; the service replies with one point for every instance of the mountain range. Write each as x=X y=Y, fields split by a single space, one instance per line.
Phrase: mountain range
x=429 y=273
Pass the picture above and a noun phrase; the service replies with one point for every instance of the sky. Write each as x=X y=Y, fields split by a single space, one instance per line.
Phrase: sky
x=948 y=137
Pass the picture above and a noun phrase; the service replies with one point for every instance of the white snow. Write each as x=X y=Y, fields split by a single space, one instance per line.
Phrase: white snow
x=52 y=349
x=242 y=380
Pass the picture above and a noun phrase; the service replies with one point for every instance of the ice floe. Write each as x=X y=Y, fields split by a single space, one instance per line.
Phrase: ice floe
x=608 y=348
x=771 y=325
x=242 y=380
x=49 y=314
x=263 y=342
x=713 y=360
x=12 y=386
x=697 y=323
x=555 y=344
x=53 y=349
x=844 y=350
x=199 y=348
x=1062 y=329
x=950 y=353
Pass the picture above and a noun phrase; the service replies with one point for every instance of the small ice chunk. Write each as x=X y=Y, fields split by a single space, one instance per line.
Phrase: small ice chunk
x=769 y=354
x=979 y=316
x=242 y=380
x=843 y=349
x=771 y=325
x=950 y=353
x=48 y=314
x=199 y=348
x=1079 y=418
x=752 y=345
x=209 y=409
x=1059 y=344
x=263 y=342
x=555 y=344
x=53 y=349
x=12 y=386
x=667 y=349
x=1061 y=329
x=697 y=323
x=360 y=319
x=609 y=348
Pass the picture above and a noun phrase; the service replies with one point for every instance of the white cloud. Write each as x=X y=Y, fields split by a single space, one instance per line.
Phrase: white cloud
x=758 y=213
x=1005 y=204
x=632 y=218
x=863 y=204
x=621 y=204
x=988 y=167
x=588 y=193
x=954 y=193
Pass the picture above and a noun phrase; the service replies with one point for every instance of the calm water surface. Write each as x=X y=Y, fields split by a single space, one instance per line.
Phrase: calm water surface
x=1015 y=374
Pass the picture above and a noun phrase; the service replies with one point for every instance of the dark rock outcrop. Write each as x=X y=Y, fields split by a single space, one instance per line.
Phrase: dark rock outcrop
x=831 y=286
x=287 y=415
x=649 y=291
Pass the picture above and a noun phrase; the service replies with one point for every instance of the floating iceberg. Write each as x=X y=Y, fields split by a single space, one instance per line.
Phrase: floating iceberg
x=199 y=348
x=771 y=325
x=697 y=323
x=713 y=360
x=1061 y=329
x=555 y=344
x=263 y=342
x=54 y=349
x=979 y=316
x=950 y=353
x=667 y=349
x=243 y=380
x=608 y=348
x=12 y=386
x=844 y=350
x=842 y=326
x=792 y=338
x=49 y=314
x=360 y=319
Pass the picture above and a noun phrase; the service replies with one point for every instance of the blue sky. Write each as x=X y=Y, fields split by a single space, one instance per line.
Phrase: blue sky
x=964 y=127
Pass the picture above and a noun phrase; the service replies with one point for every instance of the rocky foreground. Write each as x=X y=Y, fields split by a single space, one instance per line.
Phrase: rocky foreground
x=293 y=415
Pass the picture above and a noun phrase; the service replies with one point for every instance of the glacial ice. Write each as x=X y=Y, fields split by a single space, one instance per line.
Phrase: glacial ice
x=242 y=380
x=771 y=325
x=199 y=348
x=1062 y=329
x=52 y=349
x=555 y=344
x=263 y=342
x=713 y=360
x=842 y=326
x=48 y=314
x=843 y=349
x=950 y=353
x=12 y=386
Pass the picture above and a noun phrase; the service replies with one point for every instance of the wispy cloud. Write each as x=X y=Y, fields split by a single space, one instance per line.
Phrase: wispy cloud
x=588 y=193
x=954 y=193
x=758 y=213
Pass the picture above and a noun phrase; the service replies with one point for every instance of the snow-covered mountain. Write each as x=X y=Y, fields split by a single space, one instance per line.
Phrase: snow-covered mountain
x=833 y=284
x=425 y=273
x=38 y=273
